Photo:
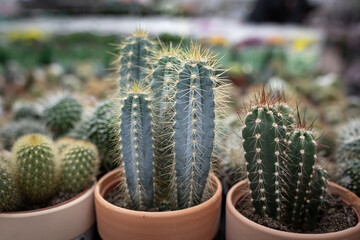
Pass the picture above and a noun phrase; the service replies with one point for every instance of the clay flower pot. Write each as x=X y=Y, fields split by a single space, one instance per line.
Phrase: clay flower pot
x=66 y=220
x=200 y=222
x=239 y=227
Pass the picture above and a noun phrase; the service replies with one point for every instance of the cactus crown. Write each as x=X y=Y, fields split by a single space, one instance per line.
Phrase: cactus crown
x=280 y=158
x=168 y=127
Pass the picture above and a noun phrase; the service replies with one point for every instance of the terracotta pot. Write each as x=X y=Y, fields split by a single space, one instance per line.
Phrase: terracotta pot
x=196 y=223
x=239 y=227
x=66 y=220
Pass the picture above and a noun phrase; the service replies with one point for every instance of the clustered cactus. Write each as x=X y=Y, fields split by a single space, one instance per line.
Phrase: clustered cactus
x=285 y=181
x=37 y=171
x=166 y=122
x=348 y=156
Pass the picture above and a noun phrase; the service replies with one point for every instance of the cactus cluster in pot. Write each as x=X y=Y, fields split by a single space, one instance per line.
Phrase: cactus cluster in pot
x=285 y=181
x=348 y=156
x=38 y=171
x=167 y=104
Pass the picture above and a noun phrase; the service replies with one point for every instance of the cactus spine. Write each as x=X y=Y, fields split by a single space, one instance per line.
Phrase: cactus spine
x=36 y=167
x=136 y=147
x=9 y=195
x=79 y=165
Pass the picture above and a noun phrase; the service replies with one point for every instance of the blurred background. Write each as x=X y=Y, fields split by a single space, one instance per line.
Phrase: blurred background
x=311 y=48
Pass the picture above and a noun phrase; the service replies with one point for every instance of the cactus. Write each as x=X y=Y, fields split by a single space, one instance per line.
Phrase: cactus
x=28 y=112
x=194 y=130
x=285 y=182
x=300 y=162
x=163 y=89
x=264 y=135
x=10 y=199
x=349 y=140
x=10 y=132
x=135 y=60
x=36 y=167
x=79 y=165
x=62 y=143
x=62 y=115
x=136 y=146
x=315 y=196
x=350 y=174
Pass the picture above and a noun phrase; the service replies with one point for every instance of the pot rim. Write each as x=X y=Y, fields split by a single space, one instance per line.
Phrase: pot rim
x=274 y=232
x=54 y=208
x=98 y=193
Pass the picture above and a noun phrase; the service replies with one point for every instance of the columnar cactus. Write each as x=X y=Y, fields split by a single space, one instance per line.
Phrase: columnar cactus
x=79 y=165
x=285 y=182
x=62 y=115
x=36 y=167
x=264 y=135
x=194 y=130
x=300 y=162
x=135 y=60
x=9 y=195
x=137 y=147
x=163 y=90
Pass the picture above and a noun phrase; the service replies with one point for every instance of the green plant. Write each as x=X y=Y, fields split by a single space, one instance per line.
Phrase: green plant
x=349 y=140
x=167 y=128
x=62 y=115
x=135 y=61
x=350 y=175
x=282 y=178
x=10 y=132
x=27 y=112
x=36 y=167
x=10 y=198
x=79 y=165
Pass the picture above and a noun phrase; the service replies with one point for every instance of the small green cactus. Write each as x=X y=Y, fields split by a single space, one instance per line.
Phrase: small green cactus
x=350 y=174
x=349 y=140
x=36 y=167
x=79 y=165
x=10 y=132
x=10 y=198
x=27 y=112
x=62 y=115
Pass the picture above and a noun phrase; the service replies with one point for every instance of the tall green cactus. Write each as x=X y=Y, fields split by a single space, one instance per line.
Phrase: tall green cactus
x=79 y=165
x=36 y=167
x=264 y=135
x=194 y=131
x=62 y=115
x=135 y=60
x=163 y=90
x=10 y=198
x=137 y=147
